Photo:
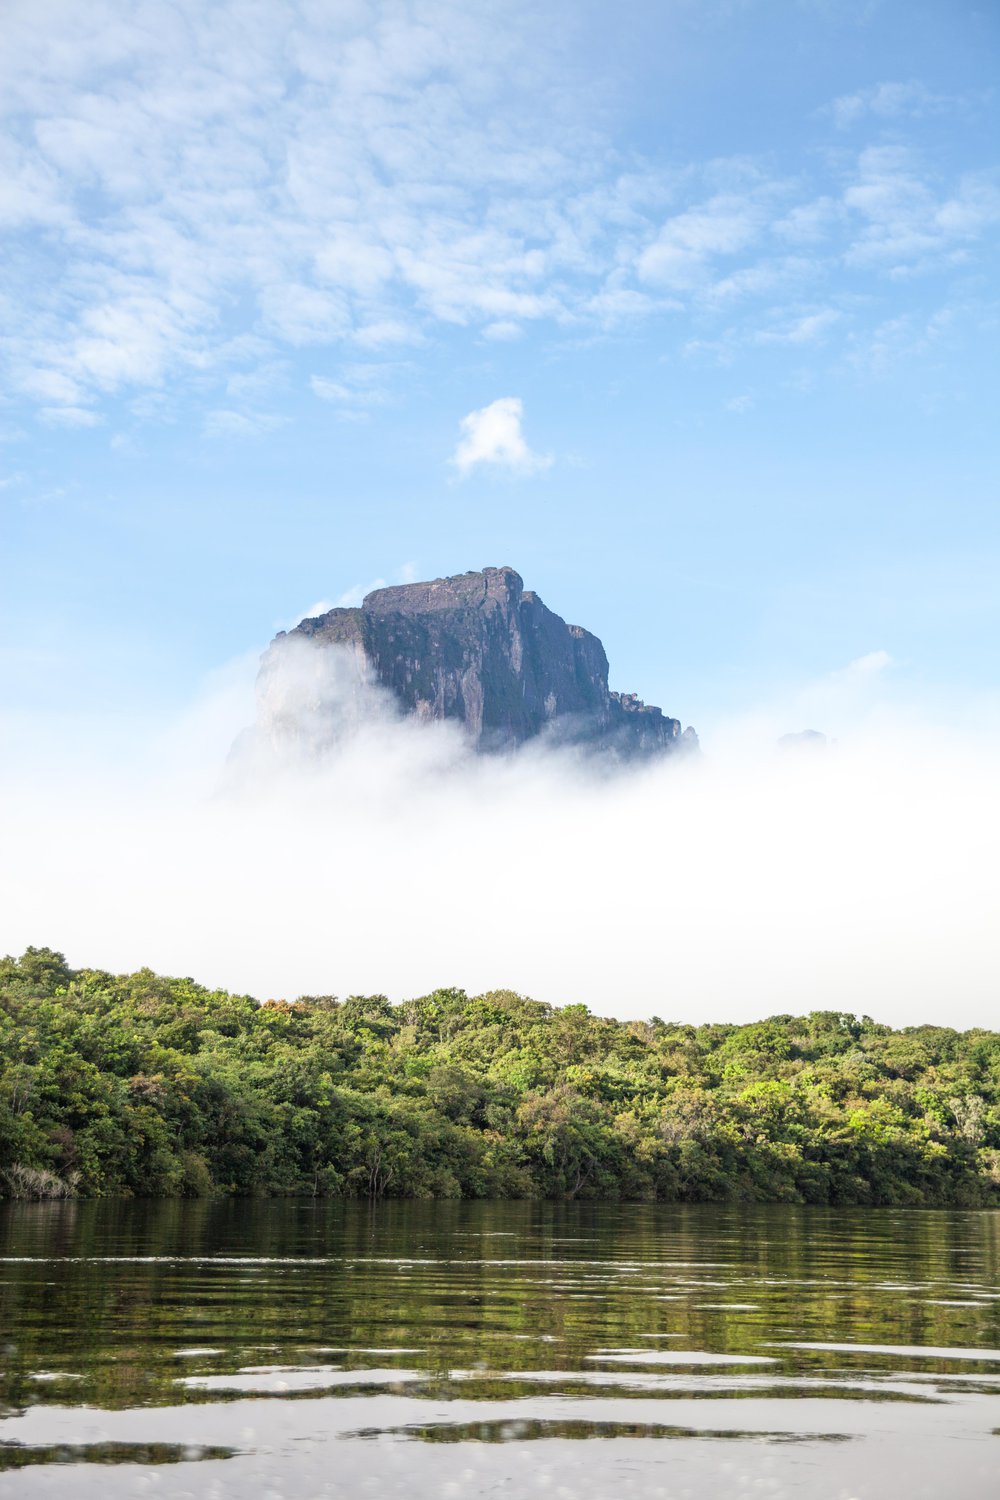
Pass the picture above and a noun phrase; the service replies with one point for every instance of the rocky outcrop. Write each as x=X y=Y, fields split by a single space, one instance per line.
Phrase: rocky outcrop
x=477 y=649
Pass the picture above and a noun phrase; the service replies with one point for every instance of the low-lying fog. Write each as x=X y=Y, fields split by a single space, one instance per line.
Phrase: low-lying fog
x=746 y=881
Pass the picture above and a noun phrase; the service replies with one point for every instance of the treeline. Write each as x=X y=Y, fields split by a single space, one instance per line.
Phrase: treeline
x=140 y=1085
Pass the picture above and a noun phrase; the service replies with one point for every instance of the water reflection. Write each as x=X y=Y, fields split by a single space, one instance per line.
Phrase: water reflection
x=310 y=1345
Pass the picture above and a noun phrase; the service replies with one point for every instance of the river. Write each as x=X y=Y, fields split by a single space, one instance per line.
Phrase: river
x=290 y=1350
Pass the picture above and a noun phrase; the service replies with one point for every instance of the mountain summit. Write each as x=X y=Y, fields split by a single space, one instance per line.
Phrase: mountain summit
x=479 y=649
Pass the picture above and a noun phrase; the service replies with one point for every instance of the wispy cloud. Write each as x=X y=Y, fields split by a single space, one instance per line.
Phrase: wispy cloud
x=811 y=222
x=351 y=597
x=304 y=176
x=881 y=351
x=339 y=393
x=689 y=243
x=869 y=664
x=198 y=191
x=890 y=101
x=906 y=221
x=492 y=438
x=807 y=329
x=69 y=416
x=225 y=423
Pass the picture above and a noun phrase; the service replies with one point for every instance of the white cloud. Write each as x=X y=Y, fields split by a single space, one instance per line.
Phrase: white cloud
x=679 y=256
x=69 y=416
x=869 y=664
x=356 y=594
x=304 y=315
x=808 y=328
x=195 y=190
x=350 y=598
x=776 y=276
x=811 y=222
x=240 y=424
x=503 y=331
x=880 y=351
x=860 y=880
x=248 y=385
x=615 y=305
x=51 y=385
x=385 y=333
x=905 y=222
x=338 y=392
x=787 y=327
x=492 y=437
x=360 y=389
x=890 y=101
x=348 y=261
x=315 y=173
x=312 y=612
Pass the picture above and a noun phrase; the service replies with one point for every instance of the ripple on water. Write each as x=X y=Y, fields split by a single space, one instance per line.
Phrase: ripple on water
x=906 y=1351
x=286 y=1379
x=678 y=1357
x=523 y=1333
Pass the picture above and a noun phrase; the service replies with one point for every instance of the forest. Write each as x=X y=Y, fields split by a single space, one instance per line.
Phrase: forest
x=141 y=1085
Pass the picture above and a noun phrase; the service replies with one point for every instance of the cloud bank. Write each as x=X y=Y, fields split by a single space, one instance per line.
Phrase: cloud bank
x=745 y=882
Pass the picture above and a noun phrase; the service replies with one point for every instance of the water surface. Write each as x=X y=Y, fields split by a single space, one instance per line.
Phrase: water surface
x=298 y=1349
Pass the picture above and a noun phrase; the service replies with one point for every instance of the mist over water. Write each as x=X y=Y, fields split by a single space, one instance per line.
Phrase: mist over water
x=349 y=850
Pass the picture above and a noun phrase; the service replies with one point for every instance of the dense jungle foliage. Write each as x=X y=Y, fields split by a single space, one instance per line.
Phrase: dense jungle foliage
x=140 y=1085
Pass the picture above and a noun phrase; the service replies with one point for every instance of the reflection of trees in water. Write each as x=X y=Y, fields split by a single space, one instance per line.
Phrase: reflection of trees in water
x=138 y=1295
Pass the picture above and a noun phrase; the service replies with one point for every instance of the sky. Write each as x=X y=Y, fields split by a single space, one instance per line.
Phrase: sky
x=687 y=310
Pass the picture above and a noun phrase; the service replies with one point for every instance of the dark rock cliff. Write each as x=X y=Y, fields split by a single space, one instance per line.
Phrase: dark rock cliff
x=481 y=650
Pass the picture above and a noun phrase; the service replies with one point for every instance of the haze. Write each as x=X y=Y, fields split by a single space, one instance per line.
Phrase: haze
x=749 y=880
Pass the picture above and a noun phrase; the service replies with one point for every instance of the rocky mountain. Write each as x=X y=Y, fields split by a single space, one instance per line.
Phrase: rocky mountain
x=478 y=649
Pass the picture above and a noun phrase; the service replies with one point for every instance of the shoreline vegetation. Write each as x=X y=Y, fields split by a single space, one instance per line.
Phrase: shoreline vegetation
x=144 y=1086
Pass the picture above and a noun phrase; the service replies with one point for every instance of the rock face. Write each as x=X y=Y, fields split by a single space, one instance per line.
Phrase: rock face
x=483 y=651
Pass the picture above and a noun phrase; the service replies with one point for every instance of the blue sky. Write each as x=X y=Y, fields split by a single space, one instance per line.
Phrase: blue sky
x=687 y=310
x=729 y=270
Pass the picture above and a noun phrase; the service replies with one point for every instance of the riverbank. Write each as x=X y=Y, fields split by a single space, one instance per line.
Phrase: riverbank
x=147 y=1086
